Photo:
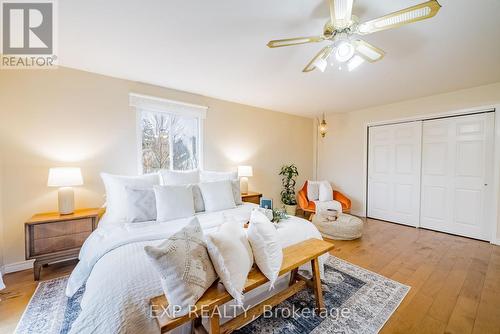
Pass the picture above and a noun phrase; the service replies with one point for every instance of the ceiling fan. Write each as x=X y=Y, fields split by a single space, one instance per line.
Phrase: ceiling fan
x=349 y=51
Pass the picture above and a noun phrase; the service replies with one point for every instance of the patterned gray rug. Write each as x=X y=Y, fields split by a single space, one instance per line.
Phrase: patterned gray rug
x=357 y=301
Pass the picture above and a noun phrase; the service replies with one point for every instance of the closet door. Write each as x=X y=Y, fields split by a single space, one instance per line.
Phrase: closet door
x=457 y=172
x=394 y=155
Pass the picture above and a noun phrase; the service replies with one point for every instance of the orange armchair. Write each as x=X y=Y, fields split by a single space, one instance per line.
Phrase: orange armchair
x=308 y=206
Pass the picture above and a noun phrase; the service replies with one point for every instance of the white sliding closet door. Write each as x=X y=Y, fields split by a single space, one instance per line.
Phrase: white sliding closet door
x=394 y=157
x=457 y=175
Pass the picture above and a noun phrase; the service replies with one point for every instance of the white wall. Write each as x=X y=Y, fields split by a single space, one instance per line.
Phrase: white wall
x=68 y=117
x=342 y=152
x=1 y=211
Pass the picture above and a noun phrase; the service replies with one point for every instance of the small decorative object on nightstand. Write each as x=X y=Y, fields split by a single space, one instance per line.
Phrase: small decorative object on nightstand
x=266 y=203
x=244 y=172
x=251 y=197
x=52 y=237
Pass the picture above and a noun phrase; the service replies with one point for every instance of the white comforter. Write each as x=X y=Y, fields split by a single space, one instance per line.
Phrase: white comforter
x=120 y=280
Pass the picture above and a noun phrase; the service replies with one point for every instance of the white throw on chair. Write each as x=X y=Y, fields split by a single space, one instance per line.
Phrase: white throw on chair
x=321 y=193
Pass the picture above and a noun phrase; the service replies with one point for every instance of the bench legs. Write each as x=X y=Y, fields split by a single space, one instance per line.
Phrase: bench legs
x=214 y=323
x=293 y=276
x=297 y=282
x=320 y=304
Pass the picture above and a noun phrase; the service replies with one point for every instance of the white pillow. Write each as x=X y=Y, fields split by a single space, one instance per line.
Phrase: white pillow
x=116 y=207
x=140 y=204
x=174 y=202
x=267 y=250
x=209 y=176
x=325 y=191
x=185 y=275
x=217 y=195
x=312 y=190
x=177 y=177
x=231 y=256
x=236 y=192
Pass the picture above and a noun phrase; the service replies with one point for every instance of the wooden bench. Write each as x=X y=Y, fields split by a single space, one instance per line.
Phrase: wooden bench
x=293 y=257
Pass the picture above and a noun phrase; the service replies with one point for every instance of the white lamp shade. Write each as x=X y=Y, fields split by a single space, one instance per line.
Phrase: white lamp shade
x=65 y=177
x=245 y=171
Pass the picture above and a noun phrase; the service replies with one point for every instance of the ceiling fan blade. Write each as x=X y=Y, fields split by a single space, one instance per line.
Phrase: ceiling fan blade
x=409 y=15
x=367 y=51
x=319 y=60
x=294 y=41
x=340 y=13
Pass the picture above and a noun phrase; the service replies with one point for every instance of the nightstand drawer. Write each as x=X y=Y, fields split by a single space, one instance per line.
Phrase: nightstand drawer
x=55 y=244
x=62 y=228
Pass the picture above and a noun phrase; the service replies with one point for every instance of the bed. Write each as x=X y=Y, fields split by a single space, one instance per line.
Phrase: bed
x=119 y=279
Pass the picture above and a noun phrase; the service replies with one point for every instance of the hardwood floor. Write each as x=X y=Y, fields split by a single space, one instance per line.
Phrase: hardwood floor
x=455 y=282
x=20 y=288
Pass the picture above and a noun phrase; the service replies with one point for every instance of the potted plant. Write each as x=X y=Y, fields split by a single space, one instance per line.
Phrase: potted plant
x=288 y=175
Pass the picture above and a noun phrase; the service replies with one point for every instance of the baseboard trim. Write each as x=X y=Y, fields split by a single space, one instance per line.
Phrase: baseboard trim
x=495 y=242
x=358 y=213
x=17 y=266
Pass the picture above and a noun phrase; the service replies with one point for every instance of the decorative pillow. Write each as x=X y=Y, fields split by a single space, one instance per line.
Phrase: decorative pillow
x=140 y=204
x=174 y=202
x=231 y=256
x=116 y=209
x=217 y=195
x=184 y=266
x=209 y=176
x=236 y=192
x=325 y=191
x=312 y=190
x=199 y=204
x=263 y=238
x=176 y=177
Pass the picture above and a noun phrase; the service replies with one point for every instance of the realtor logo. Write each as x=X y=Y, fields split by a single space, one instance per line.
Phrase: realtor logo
x=27 y=34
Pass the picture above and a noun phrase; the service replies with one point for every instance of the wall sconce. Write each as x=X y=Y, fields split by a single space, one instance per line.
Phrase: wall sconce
x=322 y=128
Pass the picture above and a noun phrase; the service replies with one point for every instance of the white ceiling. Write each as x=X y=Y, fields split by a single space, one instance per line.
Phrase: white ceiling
x=218 y=48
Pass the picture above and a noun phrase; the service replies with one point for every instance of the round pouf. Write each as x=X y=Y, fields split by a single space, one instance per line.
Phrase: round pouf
x=346 y=227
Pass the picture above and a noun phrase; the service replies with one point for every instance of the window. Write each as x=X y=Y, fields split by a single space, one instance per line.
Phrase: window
x=169 y=134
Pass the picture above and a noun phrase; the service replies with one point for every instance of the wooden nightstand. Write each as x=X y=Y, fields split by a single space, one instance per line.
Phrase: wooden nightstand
x=52 y=237
x=251 y=197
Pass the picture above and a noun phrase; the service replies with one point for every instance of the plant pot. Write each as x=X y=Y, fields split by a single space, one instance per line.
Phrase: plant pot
x=291 y=209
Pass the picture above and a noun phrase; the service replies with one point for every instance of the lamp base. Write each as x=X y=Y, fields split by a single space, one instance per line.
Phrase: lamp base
x=244 y=185
x=66 y=200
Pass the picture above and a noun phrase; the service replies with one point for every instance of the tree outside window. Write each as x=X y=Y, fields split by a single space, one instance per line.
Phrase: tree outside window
x=169 y=142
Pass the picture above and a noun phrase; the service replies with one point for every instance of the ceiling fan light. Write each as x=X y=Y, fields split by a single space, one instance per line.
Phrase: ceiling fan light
x=344 y=52
x=354 y=63
x=368 y=52
x=321 y=64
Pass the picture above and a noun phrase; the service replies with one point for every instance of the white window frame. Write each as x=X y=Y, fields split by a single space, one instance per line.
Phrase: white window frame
x=144 y=103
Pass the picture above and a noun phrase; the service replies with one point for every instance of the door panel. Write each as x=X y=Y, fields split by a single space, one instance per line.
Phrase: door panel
x=456 y=175
x=469 y=158
x=394 y=157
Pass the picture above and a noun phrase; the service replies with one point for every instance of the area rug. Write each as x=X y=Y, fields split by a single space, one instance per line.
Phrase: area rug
x=356 y=301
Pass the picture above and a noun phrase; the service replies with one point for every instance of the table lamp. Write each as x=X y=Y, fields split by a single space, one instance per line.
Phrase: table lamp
x=244 y=172
x=65 y=178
